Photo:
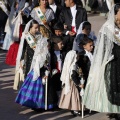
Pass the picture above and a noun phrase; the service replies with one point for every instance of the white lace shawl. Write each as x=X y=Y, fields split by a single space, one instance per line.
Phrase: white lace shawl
x=102 y=55
x=68 y=66
x=39 y=57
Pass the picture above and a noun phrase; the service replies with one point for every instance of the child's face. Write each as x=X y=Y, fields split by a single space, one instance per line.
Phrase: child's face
x=34 y=29
x=59 y=46
x=88 y=46
x=16 y=6
x=58 y=32
x=87 y=29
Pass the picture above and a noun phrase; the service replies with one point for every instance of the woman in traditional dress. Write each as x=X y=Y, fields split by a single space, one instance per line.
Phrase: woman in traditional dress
x=33 y=92
x=44 y=16
x=26 y=49
x=102 y=91
x=70 y=77
x=10 y=26
x=17 y=33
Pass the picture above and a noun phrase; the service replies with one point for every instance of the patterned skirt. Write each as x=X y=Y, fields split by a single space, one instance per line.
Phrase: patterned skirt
x=32 y=93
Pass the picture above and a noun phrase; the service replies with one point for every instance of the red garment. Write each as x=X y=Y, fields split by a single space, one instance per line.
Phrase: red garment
x=73 y=29
x=57 y=67
x=13 y=50
x=12 y=54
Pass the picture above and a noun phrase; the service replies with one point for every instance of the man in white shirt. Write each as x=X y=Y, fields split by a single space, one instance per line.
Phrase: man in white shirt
x=72 y=16
x=56 y=9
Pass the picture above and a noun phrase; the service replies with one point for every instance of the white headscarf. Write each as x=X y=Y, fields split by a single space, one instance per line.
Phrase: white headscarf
x=91 y=35
x=68 y=66
x=80 y=28
x=20 y=50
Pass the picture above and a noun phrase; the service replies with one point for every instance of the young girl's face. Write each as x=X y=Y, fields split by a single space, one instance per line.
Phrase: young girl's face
x=59 y=46
x=88 y=46
x=87 y=29
x=34 y=29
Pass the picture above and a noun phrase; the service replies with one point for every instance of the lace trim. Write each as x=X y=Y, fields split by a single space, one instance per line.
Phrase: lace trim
x=117 y=39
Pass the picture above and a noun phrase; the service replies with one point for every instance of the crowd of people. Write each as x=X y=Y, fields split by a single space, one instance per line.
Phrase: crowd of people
x=57 y=56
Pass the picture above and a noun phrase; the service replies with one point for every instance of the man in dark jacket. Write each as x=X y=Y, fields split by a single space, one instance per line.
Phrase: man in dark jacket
x=72 y=16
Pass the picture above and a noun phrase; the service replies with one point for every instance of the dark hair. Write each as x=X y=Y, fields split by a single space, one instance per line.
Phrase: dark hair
x=116 y=8
x=86 y=23
x=46 y=6
x=56 y=39
x=15 y=3
x=85 y=41
x=58 y=26
x=80 y=37
x=33 y=22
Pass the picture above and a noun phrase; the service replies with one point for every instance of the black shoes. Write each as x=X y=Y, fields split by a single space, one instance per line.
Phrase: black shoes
x=75 y=113
x=113 y=116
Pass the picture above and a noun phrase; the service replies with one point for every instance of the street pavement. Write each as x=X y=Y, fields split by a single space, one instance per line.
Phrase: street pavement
x=9 y=110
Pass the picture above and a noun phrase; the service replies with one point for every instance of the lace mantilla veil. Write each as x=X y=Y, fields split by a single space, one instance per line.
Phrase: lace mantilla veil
x=39 y=57
x=68 y=66
x=20 y=50
x=95 y=90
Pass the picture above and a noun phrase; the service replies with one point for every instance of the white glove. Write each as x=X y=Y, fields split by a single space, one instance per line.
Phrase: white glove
x=43 y=81
x=47 y=72
x=54 y=71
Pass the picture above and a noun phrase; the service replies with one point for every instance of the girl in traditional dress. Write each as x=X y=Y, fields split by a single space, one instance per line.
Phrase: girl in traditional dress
x=86 y=56
x=9 y=28
x=103 y=86
x=44 y=16
x=33 y=93
x=27 y=48
x=70 y=77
